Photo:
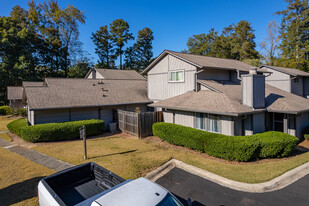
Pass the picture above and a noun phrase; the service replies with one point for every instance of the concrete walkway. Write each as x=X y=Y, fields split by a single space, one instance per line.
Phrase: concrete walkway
x=35 y=156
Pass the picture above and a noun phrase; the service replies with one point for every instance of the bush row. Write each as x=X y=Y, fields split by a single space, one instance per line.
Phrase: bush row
x=240 y=148
x=16 y=125
x=6 y=110
x=55 y=131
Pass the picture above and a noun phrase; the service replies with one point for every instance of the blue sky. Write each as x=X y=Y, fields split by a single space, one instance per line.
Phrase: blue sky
x=172 y=22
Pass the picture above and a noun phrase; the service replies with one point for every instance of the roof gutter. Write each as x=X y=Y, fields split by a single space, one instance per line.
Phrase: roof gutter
x=88 y=106
x=211 y=112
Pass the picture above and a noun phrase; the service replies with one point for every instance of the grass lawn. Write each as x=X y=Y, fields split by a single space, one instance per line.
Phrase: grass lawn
x=6 y=137
x=4 y=120
x=19 y=178
x=132 y=158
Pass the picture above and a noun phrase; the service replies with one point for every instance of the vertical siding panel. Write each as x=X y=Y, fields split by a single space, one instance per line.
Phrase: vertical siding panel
x=227 y=125
x=158 y=86
x=297 y=88
x=184 y=118
x=168 y=117
x=214 y=74
x=306 y=87
x=84 y=113
x=279 y=80
x=51 y=116
x=258 y=123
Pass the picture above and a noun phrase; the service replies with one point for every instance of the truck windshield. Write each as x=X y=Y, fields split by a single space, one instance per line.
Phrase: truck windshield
x=169 y=201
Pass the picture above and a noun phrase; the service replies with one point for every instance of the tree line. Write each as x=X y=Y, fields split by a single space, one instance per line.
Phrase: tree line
x=43 y=41
x=285 y=45
x=110 y=42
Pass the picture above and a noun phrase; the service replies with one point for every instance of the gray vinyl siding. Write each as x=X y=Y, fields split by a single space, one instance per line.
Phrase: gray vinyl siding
x=168 y=117
x=51 y=116
x=302 y=121
x=258 y=122
x=227 y=125
x=247 y=92
x=306 y=87
x=107 y=116
x=253 y=87
x=214 y=74
x=297 y=88
x=238 y=126
x=184 y=118
x=248 y=130
x=279 y=80
x=84 y=113
x=234 y=77
x=159 y=87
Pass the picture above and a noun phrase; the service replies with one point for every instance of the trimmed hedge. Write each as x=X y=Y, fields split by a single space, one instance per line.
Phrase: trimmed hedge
x=5 y=110
x=240 y=148
x=16 y=125
x=61 y=131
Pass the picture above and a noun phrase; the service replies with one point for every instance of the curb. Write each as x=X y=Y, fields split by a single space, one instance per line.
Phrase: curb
x=269 y=186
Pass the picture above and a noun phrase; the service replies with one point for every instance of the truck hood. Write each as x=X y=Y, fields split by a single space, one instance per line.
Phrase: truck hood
x=139 y=192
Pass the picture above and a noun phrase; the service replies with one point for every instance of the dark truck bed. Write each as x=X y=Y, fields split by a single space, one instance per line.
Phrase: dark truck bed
x=76 y=184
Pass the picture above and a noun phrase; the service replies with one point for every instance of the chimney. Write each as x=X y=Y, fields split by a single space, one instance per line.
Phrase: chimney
x=253 y=89
x=93 y=73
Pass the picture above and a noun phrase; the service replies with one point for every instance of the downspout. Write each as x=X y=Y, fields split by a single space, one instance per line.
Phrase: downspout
x=195 y=78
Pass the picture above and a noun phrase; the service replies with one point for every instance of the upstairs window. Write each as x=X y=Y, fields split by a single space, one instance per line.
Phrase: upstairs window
x=176 y=76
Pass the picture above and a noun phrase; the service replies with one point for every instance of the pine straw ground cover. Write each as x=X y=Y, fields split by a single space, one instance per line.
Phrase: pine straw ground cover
x=131 y=158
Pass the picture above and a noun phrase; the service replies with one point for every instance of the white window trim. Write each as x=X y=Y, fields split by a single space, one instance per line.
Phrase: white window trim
x=219 y=121
x=206 y=122
x=169 y=75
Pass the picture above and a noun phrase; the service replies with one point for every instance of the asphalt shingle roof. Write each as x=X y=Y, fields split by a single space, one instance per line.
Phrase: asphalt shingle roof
x=225 y=97
x=206 y=62
x=67 y=93
x=290 y=71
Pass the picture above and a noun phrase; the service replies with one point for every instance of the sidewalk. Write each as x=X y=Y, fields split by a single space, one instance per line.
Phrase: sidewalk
x=36 y=157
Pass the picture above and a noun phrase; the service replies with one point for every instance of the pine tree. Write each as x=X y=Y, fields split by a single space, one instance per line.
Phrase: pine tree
x=294 y=34
x=119 y=30
x=143 y=47
x=104 y=47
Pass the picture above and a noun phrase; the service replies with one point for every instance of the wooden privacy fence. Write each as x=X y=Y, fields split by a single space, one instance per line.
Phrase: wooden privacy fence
x=138 y=124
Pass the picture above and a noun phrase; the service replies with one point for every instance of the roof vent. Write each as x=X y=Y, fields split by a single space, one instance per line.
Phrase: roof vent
x=93 y=84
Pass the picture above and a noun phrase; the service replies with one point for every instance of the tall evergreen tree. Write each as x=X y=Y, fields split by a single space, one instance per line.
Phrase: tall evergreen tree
x=143 y=47
x=104 y=47
x=243 y=45
x=294 y=34
x=119 y=30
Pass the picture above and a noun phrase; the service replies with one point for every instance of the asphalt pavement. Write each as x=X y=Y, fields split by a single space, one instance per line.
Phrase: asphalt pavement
x=204 y=192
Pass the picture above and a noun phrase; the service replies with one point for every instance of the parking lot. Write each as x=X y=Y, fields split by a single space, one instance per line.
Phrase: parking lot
x=204 y=192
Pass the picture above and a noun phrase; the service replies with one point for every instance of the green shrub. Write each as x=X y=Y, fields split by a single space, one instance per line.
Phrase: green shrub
x=5 y=110
x=16 y=125
x=22 y=112
x=239 y=148
x=61 y=131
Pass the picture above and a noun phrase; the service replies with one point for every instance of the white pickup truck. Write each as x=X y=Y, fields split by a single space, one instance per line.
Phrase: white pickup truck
x=93 y=185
